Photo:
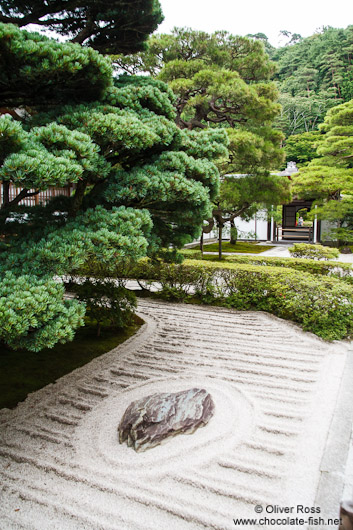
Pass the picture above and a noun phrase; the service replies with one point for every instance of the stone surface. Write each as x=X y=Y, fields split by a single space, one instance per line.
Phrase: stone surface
x=346 y=250
x=152 y=419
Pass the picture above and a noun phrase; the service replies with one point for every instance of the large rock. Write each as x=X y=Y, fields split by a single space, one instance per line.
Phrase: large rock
x=152 y=419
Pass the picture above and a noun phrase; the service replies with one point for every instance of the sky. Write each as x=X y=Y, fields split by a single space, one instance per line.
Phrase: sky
x=240 y=17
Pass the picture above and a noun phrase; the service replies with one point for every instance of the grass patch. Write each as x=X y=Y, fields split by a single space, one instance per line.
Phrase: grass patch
x=241 y=247
x=22 y=371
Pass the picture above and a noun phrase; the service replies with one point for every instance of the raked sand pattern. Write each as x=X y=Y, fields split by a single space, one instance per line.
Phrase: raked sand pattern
x=274 y=389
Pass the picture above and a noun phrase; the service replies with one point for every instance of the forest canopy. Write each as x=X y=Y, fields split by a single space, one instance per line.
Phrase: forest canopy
x=313 y=74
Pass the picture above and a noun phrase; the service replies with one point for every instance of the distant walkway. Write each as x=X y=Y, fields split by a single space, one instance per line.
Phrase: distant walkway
x=269 y=443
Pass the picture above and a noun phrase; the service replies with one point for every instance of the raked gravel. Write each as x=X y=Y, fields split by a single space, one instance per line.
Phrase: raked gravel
x=274 y=388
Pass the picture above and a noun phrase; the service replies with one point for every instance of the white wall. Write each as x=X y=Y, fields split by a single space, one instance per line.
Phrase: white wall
x=247 y=229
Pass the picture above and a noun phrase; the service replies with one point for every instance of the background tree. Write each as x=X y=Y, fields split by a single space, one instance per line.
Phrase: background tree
x=301 y=113
x=313 y=75
x=329 y=177
x=264 y=39
x=218 y=79
x=235 y=53
x=247 y=184
x=302 y=148
x=221 y=80
x=141 y=184
x=108 y=26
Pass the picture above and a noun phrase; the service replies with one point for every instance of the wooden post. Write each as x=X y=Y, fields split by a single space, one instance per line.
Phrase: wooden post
x=315 y=228
x=272 y=229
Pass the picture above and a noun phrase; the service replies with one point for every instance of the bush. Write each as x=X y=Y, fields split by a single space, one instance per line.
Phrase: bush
x=321 y=305
x=334 y=269
x=304 y=250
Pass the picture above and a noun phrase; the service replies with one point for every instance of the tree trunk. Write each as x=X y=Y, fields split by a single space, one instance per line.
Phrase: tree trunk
x=201 y=243
x=6 y=192
x=78 y=198
x=233 y=233
x=220 y=229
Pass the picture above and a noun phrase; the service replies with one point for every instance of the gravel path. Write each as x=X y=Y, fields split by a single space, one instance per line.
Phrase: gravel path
x=274 y=387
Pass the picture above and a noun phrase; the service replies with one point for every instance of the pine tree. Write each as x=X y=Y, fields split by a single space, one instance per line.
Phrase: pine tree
x=221 y=81
x=329 y=177
x=141 y=184
x=113 y=26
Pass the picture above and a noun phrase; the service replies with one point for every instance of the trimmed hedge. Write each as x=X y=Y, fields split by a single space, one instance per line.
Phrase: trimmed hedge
x=335 y=269
x=321 y=305
x=304 y=250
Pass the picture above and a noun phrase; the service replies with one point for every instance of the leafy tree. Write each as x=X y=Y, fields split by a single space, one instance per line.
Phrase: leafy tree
x=244 y=195
x=302 y=148
x=141 y=183
x=219 y=81
x=221 y=49
x=329 y=177
x=218 y=96
x=302 y=113
x=264 y=39
x=347 y=86
x=247 y=184
x=293 y=38
x=108 y=26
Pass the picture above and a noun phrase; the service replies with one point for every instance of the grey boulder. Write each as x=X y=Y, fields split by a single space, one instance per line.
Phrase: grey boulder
x=150 y=420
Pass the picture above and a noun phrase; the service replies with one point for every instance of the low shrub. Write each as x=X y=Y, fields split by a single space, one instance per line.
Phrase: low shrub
x=304 y=250
x=334 y=269
x=321 y=305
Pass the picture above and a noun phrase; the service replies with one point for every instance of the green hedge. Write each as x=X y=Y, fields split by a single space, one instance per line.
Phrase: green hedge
x=304 y=250
x=335 y=269
x=322 y=305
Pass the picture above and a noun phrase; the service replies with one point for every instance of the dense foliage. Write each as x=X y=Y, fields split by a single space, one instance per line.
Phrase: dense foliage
x=37 y=71
x=140 y=182
x=314 y=74
x=302 y=148
x=108 y=26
